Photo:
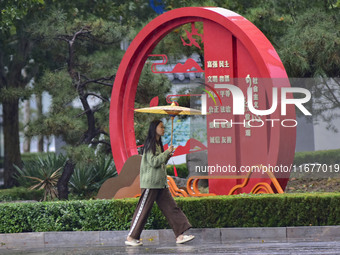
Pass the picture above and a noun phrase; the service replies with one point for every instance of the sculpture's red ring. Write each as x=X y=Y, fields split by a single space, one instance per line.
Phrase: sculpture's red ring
x=123 y=142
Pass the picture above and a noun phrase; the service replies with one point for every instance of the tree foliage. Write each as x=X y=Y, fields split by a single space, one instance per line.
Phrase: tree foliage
x=14 y=11
x=311 y=47
x=84 y=49
x=16 y=71
x=71 y=49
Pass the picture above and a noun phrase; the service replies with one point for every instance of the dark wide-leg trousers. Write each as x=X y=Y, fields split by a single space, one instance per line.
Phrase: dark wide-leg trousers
x=166 y=203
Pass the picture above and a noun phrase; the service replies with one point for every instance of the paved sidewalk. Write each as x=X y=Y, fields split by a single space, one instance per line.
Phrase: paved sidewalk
x=253 y=248
x=284 y=240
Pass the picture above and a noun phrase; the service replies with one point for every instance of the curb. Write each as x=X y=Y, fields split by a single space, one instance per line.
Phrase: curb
x=42 y=240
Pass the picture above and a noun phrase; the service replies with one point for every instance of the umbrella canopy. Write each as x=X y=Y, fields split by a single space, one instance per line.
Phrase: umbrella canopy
x=171 y=110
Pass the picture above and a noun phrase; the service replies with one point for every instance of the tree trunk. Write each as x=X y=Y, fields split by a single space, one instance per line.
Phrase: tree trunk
x=11 y=140
x=27 y=119
x=39 y=113
x=64 y=179
x=48 y=140
x=40 y=143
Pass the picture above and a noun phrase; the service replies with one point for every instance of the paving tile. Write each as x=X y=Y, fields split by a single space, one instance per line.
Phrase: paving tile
x=112 y=238
x=314 y=233
x=22 y=240
x=205 y=235
x=150 y=237
x=71 y=239
x=252 y=234
x=166 y=236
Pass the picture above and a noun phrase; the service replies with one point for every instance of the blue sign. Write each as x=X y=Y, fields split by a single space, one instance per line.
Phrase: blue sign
x=158 y=7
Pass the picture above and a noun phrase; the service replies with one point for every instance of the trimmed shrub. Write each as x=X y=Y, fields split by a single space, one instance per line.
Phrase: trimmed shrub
x=329 y=157
x=265 y=210
x=20 y=193
x=182 y=170
x=29 y=157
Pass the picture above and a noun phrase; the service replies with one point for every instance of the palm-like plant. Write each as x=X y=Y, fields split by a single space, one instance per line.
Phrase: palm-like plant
x=48 y=184
x=104 y=168
x=42 y=173
x=82 y=180
x=88 y=178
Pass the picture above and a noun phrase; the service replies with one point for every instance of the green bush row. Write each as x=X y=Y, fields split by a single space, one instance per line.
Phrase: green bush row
x=33 y=156
x=265 y=210
x=182 y=170
x=329 y=157
x=24 y=157
x=322 y=157
x=20 y=193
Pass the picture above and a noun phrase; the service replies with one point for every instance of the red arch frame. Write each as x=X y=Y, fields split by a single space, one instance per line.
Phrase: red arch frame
x=122 y=134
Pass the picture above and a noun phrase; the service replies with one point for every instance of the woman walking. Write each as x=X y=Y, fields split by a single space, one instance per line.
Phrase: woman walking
x=154 y=187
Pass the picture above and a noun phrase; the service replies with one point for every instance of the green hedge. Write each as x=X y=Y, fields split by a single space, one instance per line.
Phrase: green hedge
x=329 y=157
x=182 y=170
x=274 y=210
x=33 y=156
x=20 y=193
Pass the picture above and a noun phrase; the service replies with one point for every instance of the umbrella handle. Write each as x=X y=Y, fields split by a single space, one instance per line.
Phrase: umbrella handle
x=172 y=128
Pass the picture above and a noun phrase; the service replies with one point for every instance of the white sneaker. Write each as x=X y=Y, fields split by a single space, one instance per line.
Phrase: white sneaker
x=133 y=242
x=185 y=239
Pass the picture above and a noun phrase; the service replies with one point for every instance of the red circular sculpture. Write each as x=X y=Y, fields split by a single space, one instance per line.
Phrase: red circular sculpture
x=279 y=141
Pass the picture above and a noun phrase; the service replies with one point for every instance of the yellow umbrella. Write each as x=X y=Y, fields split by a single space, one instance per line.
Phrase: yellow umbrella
x=171 y=110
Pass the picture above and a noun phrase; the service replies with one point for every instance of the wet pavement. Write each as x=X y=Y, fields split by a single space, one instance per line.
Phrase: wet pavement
x=270 y=248
x=270 y=241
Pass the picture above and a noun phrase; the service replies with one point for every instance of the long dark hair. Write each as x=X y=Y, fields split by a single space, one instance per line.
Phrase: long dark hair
x=151 y=141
